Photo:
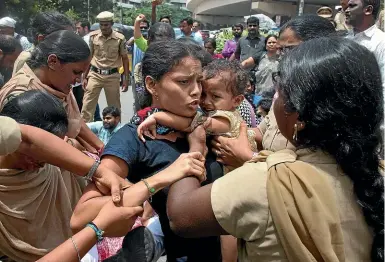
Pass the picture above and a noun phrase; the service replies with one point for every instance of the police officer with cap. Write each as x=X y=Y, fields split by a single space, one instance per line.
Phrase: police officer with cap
x=326 y=12
x=108 y=54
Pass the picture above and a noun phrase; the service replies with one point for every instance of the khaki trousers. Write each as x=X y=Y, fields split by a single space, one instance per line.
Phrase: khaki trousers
x=96 y=82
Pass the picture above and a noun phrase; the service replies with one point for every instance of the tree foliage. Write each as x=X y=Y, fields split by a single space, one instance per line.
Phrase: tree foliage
x=176 y=13
x=24 y=10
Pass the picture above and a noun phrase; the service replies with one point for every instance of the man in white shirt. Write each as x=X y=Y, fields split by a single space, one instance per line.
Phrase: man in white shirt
x=7 y=27
x=187 y=32
x=362 y=15
x=84 y=29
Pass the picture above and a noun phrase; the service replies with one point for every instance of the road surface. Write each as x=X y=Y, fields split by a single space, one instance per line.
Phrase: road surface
x=126 y=100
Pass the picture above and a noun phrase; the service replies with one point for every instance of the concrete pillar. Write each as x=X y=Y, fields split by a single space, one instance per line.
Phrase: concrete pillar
x=216 y=20
x=300 y=7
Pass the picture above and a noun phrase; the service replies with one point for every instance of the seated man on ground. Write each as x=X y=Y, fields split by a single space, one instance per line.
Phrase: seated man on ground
x=109 y=126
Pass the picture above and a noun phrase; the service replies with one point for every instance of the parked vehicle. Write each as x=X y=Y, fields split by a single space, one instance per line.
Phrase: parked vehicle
x=127 y=31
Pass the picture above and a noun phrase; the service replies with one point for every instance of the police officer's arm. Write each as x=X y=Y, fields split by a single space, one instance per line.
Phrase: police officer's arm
x=85 y=77
x=46 y=147
x=51 y=149
x=85 y=74
x=126 y=65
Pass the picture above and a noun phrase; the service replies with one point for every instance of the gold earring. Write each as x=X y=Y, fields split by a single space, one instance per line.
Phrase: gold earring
x=295 y=132
x=156 y=97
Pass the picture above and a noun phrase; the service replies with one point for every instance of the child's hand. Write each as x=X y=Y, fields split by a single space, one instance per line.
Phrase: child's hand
x=147 y=128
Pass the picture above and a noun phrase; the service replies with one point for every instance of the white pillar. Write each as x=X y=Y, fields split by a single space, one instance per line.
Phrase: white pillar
x=301 y=5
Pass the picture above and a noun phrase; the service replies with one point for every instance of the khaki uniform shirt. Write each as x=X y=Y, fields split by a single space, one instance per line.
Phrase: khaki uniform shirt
x=10 y=135
x=272 y=139
x=25 y=80
x=244 y=213
x=20 y=61
x=235 y=119
x=107 y=52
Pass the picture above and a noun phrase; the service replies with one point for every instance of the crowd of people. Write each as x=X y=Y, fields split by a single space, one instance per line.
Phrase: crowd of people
x=271 y=150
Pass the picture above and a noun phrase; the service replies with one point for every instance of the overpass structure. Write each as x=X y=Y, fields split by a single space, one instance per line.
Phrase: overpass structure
x=233 y=11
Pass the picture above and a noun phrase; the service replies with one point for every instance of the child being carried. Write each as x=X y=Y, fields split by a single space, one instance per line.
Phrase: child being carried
x=223 y=87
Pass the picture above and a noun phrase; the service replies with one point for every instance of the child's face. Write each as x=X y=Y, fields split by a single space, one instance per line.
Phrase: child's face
x=216 y=97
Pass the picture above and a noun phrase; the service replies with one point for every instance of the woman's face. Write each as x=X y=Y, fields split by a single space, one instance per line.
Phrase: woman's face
x=209 y=48
x=63 y=75
x=287 y=40
x=271 y=44
x=179 y=90
x=165 y=20
x=285 y=120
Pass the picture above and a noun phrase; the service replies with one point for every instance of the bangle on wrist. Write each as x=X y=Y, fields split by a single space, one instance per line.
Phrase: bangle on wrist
x=151 y=190
x=92 y=171
x=76 y=248
x=99 y=233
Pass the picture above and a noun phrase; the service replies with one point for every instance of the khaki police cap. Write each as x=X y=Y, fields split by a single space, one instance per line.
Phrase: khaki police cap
x=105 y=16
x=325 y=12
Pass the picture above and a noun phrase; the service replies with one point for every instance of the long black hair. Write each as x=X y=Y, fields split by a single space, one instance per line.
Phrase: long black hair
x=162 y=56
x=46 y=23
x=160 y=31
x=66 y=45
x=309 y=26
x=205 y=57
x=39 y=109
x=335 y=86
x=238 y=78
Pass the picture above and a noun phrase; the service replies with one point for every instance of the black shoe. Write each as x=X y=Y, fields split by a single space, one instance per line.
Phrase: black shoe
x=138 y=246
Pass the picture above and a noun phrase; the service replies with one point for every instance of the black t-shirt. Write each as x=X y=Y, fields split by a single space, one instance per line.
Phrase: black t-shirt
x=146 y=159
x=248 y=47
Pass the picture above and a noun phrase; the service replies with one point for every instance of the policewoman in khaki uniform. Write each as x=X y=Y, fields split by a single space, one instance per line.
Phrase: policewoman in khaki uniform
x=52 y=70
x=108 y=54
